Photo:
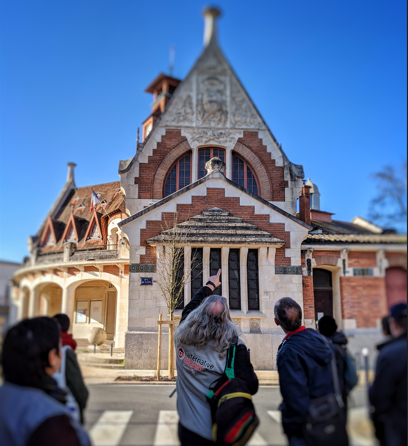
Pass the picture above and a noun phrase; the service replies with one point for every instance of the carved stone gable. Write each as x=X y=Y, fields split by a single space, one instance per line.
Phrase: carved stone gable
x=212 y=110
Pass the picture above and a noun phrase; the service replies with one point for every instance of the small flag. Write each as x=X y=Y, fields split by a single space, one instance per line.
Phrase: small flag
x=94 y=201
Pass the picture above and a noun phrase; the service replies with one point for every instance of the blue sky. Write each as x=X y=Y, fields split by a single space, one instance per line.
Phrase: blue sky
x=329 y=78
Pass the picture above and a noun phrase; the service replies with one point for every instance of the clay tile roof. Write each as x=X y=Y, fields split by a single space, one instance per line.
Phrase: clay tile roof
x=345 y=232
x=216 y=227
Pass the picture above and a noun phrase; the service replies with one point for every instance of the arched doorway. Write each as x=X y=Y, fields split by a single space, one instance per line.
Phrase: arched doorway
x=50 y=299
x=95 y=306
x=323 y=293
x=396 y=280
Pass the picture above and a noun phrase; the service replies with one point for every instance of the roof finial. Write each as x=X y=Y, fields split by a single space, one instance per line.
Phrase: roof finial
x=70 y=176
x=210 y=29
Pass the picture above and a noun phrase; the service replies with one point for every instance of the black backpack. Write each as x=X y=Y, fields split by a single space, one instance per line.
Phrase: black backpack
x=232 y=410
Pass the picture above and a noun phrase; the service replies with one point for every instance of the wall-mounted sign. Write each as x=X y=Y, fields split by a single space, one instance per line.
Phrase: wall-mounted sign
x=288 y=270
x=81 y=312
x=142 y=268
x=146 y=281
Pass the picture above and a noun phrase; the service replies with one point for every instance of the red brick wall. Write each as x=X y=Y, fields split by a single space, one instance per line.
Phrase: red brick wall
x=396 y=259
x=147 y=170
x=73 y=271
x=276 y=174
x=58 y=273
x=91 y=268
x=362 y=260
x=308 y=298
x=363 y=299
x=126 y=272
x=215 y=198
x=111 y=269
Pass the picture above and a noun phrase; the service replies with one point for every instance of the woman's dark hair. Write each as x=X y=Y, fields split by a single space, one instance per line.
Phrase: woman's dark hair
x=289 y=320
x=25 y=351
x=63 y=320
x=327 y=326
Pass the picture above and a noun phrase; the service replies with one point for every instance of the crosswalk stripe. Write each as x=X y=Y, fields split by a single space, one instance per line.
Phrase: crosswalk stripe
x=166 y=431
x=276 y=415
x=109 y=429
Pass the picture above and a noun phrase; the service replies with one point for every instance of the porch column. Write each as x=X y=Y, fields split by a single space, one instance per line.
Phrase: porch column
x=243 y=256
x=67 y=303
x=33 y=303
x=206 y=264
x=224 y=275
x=22 y=306
x=187 y=274
x=194 y=165
x=263 y=274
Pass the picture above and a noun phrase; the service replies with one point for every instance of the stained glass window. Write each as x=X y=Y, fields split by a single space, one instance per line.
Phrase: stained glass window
x=179 y=176
x=243 y=175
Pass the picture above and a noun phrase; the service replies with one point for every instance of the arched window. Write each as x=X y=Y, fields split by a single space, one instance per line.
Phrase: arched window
x=243 y=175
x=179 y=176
x=205 y=155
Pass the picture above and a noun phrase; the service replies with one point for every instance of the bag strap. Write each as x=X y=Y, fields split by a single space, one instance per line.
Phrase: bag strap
x=336 y=382
x=229 y=366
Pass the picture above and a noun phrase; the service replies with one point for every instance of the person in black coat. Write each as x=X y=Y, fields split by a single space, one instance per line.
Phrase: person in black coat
x=304 y=369
x=328 y=328
x=388 y=394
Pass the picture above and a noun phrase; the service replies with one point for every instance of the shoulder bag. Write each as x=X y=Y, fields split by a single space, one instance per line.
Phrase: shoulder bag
x=327 y=418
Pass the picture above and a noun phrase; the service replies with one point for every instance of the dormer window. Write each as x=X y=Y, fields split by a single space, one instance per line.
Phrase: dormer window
x=71 y=235
x=49 y=239
x=94 y=232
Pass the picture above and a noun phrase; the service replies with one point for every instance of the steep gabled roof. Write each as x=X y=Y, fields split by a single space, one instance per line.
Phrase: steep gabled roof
x=183 y=108
x=95 y=220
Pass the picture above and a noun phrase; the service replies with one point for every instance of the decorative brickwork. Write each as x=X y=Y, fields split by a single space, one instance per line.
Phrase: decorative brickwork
x=362 y=259
x=59 y=273
x=276 y=174
x=160 y=175
x=258 y=168
x=111 y=269
x=214 y=198
x=363 y=299
x=147 y=171
x=126 y=271
x=91 y=268
x=396 y=259
x=326 y=258
x=73 y=271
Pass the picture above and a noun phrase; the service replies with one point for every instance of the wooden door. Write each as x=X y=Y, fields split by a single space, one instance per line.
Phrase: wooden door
x=323 y=293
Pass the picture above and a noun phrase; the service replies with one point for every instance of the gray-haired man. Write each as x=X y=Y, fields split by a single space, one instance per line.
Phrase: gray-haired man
x=202 y=341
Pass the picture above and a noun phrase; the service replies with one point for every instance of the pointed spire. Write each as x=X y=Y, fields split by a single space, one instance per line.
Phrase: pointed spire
x=70 y=176
x=210 y=27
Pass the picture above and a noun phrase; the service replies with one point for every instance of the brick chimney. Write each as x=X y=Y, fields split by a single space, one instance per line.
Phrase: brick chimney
x=304 y=205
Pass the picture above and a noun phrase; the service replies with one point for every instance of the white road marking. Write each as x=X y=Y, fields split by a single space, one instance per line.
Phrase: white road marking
x=167 y=435
x=166 y=430
x=276 y=415
x=109 y=429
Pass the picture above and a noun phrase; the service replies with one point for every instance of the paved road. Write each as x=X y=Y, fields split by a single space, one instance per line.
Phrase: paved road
x=144 y=415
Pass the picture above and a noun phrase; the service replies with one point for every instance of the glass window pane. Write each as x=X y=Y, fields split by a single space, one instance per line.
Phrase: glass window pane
x=170 y=186
x=196 y=270
x=215 y=265
x=253 y=280
x=234 y=280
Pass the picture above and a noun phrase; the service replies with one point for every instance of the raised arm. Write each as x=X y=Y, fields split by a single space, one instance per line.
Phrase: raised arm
x=201 y=294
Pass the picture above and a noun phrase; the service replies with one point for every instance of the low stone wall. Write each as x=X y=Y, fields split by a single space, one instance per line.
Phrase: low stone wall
x=141 y=350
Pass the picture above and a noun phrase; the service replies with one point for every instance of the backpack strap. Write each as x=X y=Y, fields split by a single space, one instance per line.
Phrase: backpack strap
x=229 y=366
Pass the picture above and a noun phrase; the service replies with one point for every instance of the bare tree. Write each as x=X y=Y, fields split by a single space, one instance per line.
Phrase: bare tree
x=389 y=208
x=172 y=273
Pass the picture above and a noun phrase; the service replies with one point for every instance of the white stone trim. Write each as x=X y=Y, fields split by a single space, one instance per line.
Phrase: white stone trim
x=225 y=272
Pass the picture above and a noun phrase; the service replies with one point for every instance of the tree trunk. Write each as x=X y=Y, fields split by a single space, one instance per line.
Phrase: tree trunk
x=171 y=349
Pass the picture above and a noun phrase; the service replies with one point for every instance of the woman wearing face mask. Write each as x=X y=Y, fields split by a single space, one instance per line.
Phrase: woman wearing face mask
x=32 y=407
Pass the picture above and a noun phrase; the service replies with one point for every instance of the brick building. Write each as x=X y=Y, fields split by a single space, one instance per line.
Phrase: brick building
x=209 y=162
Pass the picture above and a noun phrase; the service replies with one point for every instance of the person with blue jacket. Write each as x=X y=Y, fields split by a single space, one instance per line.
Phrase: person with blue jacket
x=32 y=406
x=304 y=368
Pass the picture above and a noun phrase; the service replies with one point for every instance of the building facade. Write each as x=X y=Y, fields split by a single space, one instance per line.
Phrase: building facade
x=209 y=166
